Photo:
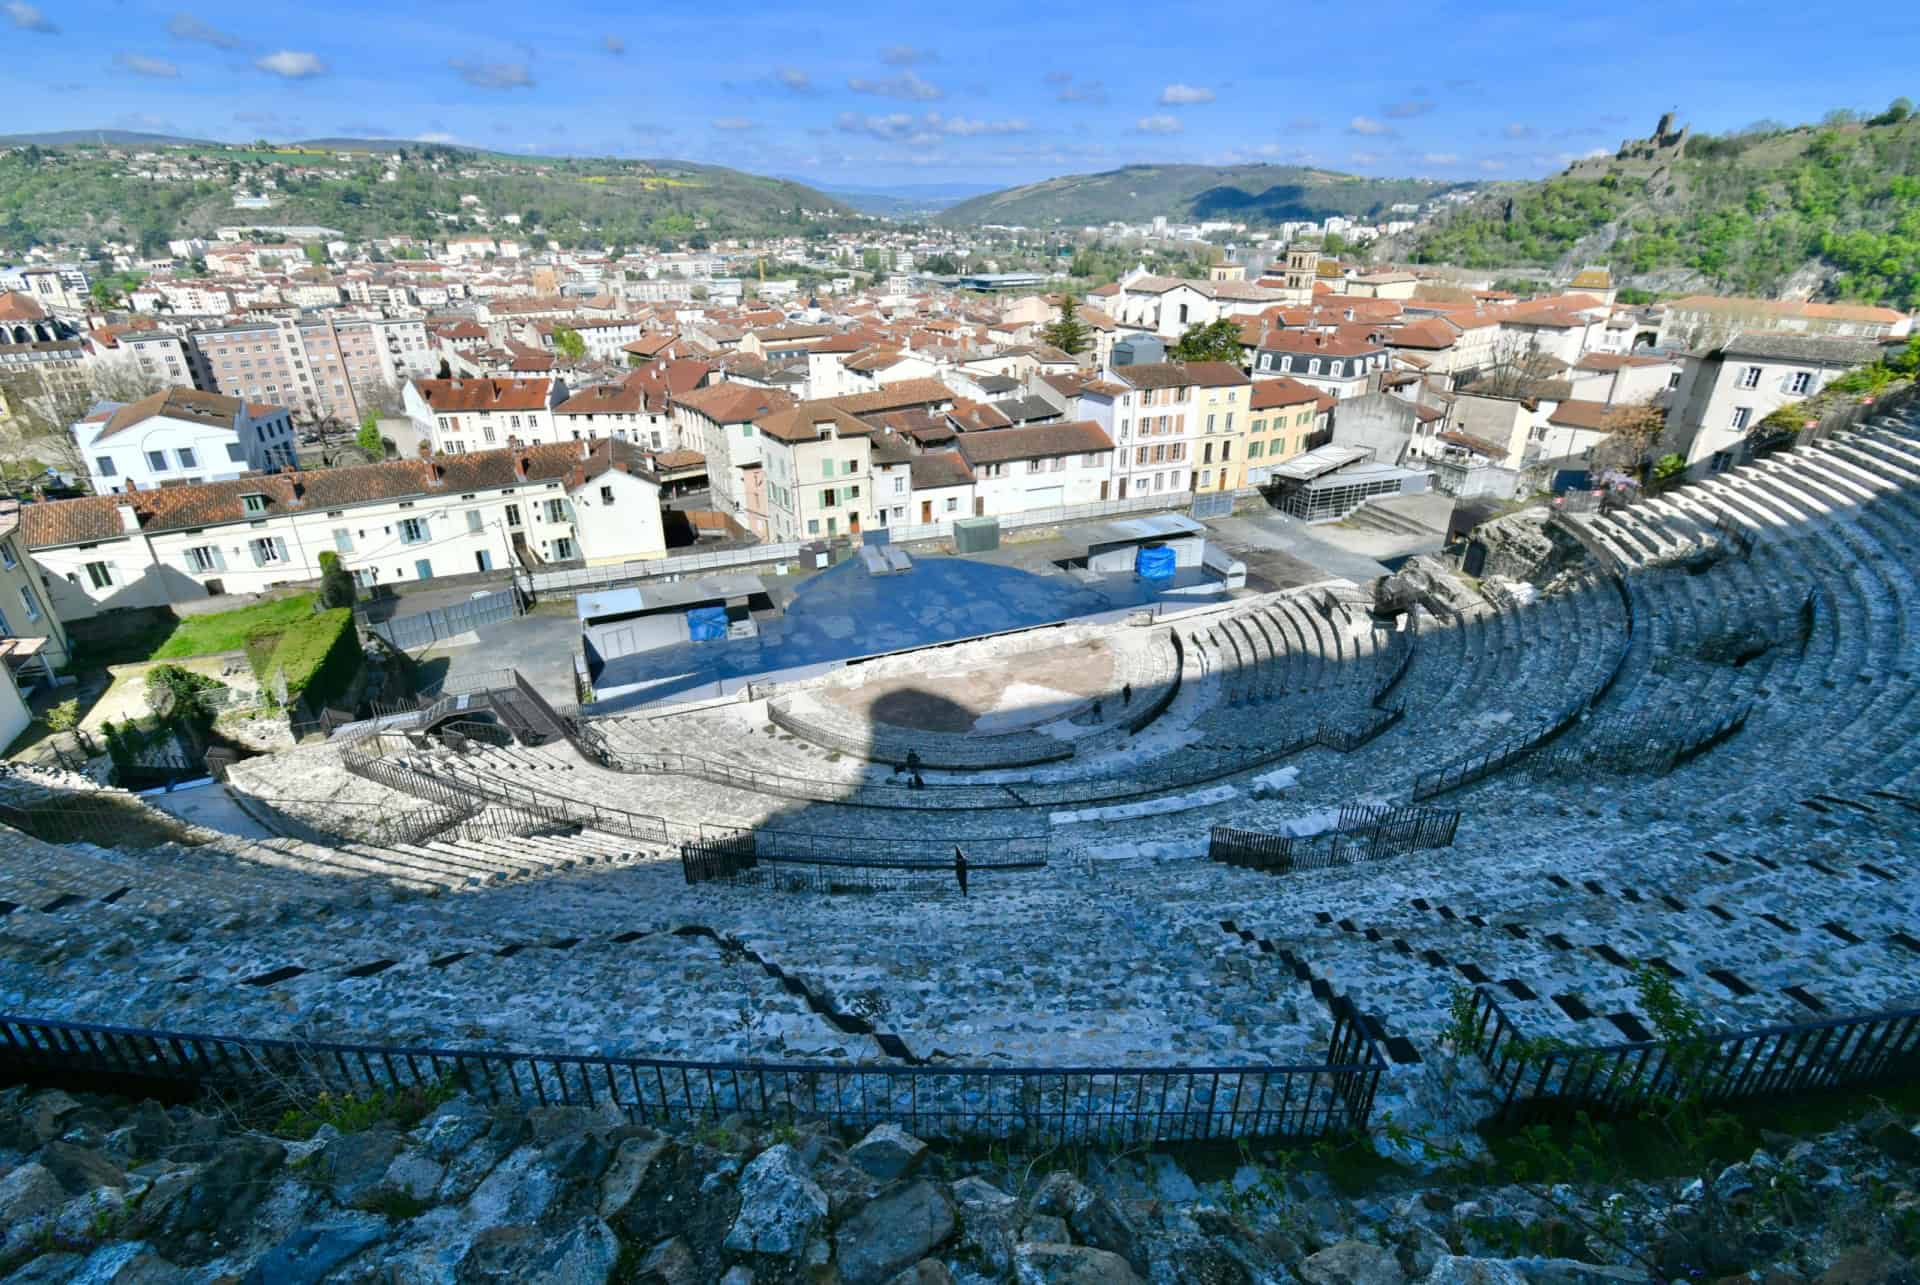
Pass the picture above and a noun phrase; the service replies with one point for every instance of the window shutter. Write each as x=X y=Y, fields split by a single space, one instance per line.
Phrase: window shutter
x=280 y=547
x=342 y=540
x=219 y=559
x=473 y=520
x=253 y=547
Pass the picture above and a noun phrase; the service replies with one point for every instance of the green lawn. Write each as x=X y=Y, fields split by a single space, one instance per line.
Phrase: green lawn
x=228 y=630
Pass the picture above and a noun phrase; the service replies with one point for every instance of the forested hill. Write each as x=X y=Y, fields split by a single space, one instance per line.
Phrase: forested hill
x=1256 y=194
x=1830 y=210
x=88 y=193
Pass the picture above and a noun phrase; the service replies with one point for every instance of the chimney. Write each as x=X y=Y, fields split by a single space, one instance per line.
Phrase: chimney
x=129 y=520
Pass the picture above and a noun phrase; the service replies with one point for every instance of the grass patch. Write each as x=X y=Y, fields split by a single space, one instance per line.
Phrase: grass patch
x=352 y=1113
x=231 y=630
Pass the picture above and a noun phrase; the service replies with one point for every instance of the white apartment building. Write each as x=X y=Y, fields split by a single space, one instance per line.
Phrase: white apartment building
x=719 y=422
x=818 y=464
x=461 y=415
x=403 y=520
x=1037 y=467
x=180 y=437
x=1723 y=395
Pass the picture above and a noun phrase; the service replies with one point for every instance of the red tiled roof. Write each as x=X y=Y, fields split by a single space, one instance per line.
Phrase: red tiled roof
x=96 y=517
x=484 y=394
x=1035 y=441
x=1271 y=393
x=734 y=403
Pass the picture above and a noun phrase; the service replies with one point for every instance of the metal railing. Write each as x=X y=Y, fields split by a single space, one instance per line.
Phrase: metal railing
x=738 y=858
x=575 y=580
x=1041 y=1105
x=1365 y=832
x=425 y=627
x=1024 y=748
x=1642 y=744
x=1533 y=1079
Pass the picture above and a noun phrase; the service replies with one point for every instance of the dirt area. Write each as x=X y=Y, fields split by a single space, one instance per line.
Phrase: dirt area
x=126 y=696
x=1018 y=691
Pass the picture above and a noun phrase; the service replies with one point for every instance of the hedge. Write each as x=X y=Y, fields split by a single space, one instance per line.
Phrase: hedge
x=318 y=655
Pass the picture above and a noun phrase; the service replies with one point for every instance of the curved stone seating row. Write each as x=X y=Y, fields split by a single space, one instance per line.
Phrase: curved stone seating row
x=1289 y=647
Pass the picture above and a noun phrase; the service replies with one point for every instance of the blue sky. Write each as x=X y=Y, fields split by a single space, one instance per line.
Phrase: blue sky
x=987 y=93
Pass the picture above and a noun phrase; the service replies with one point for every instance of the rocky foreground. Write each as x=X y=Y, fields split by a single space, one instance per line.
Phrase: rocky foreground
x=102 y=1191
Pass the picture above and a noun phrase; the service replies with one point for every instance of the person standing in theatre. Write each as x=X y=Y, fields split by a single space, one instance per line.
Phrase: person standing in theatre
x=960 y=868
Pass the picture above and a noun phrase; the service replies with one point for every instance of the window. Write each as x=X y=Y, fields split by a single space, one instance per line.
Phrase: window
x=829 y=497
x=473 y=521
x=187 y=457
x=746 y=430
x=563 y=549
x=486 y=434
x=513 y=515
x=1742 y=415
x=1256 y=449
x=606 y=495
x=556 y=510
x=1336 y=369
x=342 y=540
x=1036 y=466
x=204 y=558
x=1750 y=377
x=413 y=530
x=813 y=526
x=27 y=601
x=254 y=503
x=7 y=559
x=899 y=486
x=1313 y=367
x=953 y=504
x=103 y=465
x=268 y=549
x=157 y=461
x=1286 y=364
x=1209 y=423
x=1801 y=381
x=101 y=574
x=236 y=453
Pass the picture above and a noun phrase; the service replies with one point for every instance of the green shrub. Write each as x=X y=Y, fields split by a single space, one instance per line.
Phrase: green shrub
x=318 y=657
x=63 y=717
x=336 y=582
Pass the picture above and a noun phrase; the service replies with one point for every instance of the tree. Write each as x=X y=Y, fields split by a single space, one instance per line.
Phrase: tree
x=368 y=439
x=1068 y=333
x=1214 y=341
x=336 y=582
x=316 y=254
x=1633 y=429
x=569 y=344
x=45 y=411
x=1897 y=110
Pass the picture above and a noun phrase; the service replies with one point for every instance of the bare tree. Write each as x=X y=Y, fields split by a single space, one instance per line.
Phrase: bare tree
x=1633 y=430
x=45 y=408
x=1514 y=365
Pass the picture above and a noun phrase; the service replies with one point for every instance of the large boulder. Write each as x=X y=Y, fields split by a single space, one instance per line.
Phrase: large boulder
x=1352 y=1262
x=889 y=1152
x=1070 y=1265
x=312 y=1253
x=583 y=1255
x=892 y=1233
x=780 y=1206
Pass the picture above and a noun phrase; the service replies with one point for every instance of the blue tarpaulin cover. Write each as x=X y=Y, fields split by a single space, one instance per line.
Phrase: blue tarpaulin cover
x=1153 y=562
x=707 y=624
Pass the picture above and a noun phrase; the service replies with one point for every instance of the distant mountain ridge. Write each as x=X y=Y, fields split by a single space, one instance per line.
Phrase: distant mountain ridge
x=1193 y=193
x=70 y=190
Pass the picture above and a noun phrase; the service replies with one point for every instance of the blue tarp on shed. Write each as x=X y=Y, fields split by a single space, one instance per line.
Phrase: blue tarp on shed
x=1153 y=562
x=707 y=624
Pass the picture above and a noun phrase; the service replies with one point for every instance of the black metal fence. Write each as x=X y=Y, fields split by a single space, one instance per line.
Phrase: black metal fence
x=1044 y=1105
x=1365 y=832
x=426 y=627
x=1533 y=1080
x=764 y=859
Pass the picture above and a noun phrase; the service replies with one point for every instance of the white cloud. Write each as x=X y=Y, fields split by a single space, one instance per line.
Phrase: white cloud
x=1492 y=166
x=961 y=127
x=1365 y=158
x=1368 y=126
x=907 y=55
x=1179 y=95
x=494 y=75
x=28 y=18
x=184 y=26
x=924 y=131
x=1441 y=158
x=732 y=123
x=612 y=44
x=142 y=65
x=1158 y=124
x=294 y=64
x=795 y=79
x=906 y=85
